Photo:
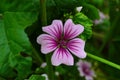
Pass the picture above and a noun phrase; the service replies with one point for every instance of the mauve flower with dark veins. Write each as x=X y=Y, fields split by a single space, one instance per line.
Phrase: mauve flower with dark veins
x=84 y=68
x=62 y=40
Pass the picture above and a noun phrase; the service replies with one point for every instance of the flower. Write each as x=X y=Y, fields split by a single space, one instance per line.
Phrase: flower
x=84 y=68
x=61 y=39
x=102 y=17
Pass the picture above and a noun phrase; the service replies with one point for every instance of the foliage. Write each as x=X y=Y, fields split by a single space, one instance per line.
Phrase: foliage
x=20 y=24
x=36 y=77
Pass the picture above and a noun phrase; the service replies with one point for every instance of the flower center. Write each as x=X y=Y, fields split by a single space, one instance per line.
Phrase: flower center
x=86 y=70
x=62 y=43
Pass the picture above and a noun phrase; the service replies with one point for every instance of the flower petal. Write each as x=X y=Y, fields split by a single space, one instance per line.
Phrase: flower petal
x=62 y=55
x=81 y=72
x=76 y=46
x=47 y=42
x=85 y=63
x=71 y=30
x=55 y=29
x=88 y=77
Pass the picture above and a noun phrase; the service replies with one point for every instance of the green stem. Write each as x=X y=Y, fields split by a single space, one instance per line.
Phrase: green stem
x=104 y=61
x=50 y=71
x=44 y=22
x=43 y=12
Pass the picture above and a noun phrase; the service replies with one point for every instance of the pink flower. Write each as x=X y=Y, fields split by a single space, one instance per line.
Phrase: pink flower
x=102 y=17
x=61 y=39
x=84 y=68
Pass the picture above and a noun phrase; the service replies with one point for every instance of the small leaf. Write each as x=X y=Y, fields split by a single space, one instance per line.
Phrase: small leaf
x=36 y=77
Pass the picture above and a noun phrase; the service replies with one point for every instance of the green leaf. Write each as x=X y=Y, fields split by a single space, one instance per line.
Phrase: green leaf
x=61 y=70
x=91 y=11
x=98 y=2
x=5 y=69
x=24 y=67
x=18 y=5
x=36 y=77
x=80 y=18
x=14 y=42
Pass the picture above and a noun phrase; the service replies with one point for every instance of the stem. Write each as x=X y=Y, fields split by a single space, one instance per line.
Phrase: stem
x=50 y=71
x=104 y=61
x=48 y=57
x=43 y=12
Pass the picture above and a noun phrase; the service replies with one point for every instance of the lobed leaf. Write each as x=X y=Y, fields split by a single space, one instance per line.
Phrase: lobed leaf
x=13 y=42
